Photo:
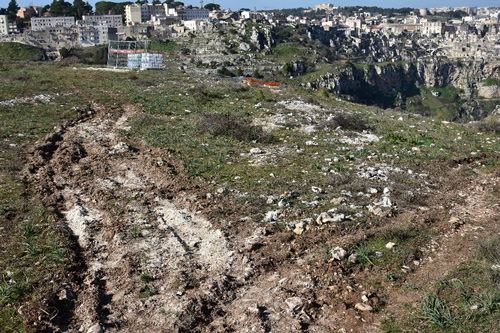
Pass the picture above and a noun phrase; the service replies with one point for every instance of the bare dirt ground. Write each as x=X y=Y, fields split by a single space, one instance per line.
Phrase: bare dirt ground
x=154 y=255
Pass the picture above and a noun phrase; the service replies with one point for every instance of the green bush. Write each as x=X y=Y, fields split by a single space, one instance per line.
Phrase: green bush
x=224 y=71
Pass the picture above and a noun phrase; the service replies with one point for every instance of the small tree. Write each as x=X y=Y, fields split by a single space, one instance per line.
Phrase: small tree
x=256 y=74
x=80 y=8
x=60 y=8
x=12 y=10
x=212 y=6
x=64 y=52
x=225 y=71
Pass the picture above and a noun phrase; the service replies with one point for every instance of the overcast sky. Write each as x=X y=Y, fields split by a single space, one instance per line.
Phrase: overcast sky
x=276 y=4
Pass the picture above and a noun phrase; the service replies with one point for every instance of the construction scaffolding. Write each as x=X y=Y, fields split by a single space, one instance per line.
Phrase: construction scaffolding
x=126 y=54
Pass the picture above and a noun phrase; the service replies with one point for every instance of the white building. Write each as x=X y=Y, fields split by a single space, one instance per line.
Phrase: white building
x=137 y=14
x=439 y=10
x=40 y=23
x=94 y=34
x=196 y=14
x=432 y=28
x=4 y=25
x=195 y=25
x=326 y=7
x=110 y=20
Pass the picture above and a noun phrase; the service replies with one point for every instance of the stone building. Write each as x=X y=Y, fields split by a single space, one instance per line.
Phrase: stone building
x=110 y=20
x=40 y=23
x=95 y=34
x=4 y=25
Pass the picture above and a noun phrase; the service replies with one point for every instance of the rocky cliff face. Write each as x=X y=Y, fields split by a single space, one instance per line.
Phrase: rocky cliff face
x=380 y=82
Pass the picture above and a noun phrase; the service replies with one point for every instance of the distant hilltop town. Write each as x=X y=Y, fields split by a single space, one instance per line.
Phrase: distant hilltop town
x=454 y=32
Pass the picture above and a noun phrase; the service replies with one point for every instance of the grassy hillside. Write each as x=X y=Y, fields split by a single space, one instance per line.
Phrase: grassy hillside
x=252 y=147
x=18 y=51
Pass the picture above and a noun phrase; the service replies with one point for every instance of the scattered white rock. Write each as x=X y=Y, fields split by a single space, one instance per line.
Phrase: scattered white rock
x=271 y=216
x=299 y=228
x=360 y=139
x=222 y=190
x=256 y=151
x=338 y=253
x=95 y=329
x=293 y=303
x=65 y=294
x=353 y=258
x=340 y=218
x=390 y=245
x=338 y=201
x=120 y=147
x=282 y=203
x=317 y=189
x=386 y=202
x=455 y=222
x=363 y=307
x=323 y=218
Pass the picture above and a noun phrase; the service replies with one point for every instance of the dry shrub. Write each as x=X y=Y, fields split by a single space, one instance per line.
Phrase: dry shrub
x=71 y=60
x=231 y=126
x=489 y=126
x=144 y=120
x=489 y=249
x=347 y=122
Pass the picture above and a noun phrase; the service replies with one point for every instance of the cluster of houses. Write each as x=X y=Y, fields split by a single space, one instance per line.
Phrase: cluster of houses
x=475 y=33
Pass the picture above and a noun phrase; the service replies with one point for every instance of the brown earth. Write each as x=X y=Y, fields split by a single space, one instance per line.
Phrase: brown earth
x=154 y=253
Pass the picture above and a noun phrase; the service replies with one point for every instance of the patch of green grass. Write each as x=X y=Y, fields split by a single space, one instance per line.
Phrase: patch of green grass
x=165 y=46
x=491 y=81
x=287 y=52
x=467 y=299
x=18 y=51
x=437 y=312
x=390 y=325
x=135 y=233
x=10 y=320
x=146 y=277
x=148 y=291
x=364 y=254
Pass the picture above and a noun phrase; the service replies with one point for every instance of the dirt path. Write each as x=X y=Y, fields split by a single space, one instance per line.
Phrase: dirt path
x=145 y=258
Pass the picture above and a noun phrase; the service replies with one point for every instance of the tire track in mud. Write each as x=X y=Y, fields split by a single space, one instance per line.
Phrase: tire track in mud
x=148 y=264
